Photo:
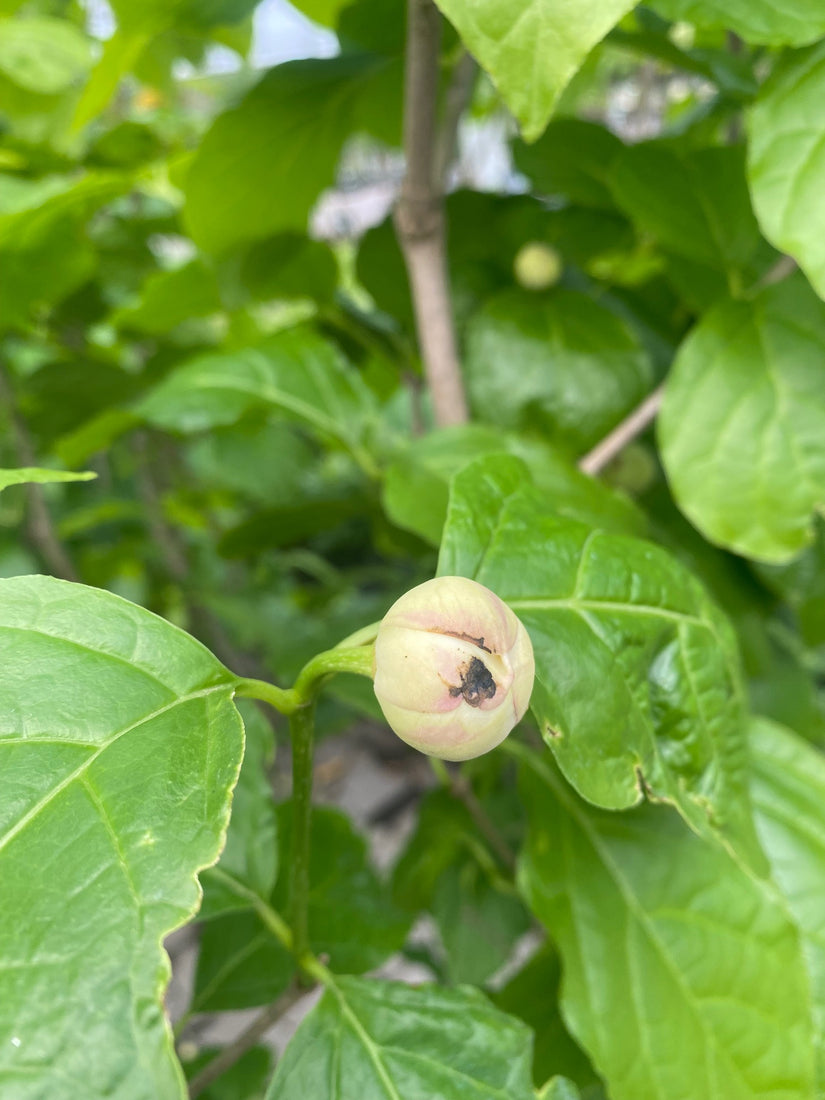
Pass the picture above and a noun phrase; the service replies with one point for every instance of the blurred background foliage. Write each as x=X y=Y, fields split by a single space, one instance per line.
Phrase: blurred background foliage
x=203 y=302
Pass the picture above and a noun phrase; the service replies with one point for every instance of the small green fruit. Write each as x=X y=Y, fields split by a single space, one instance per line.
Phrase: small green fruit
x=537 y=266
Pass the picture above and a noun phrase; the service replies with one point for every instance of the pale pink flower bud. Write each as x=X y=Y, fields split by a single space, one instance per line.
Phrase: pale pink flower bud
x=454 y=668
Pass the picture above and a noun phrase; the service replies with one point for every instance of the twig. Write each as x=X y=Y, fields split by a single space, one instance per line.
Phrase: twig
x=460 y=786
x=784 y=266
x=632 y=426
x=175 y=561
x=245 y=1041
x=455 y=103
x=40 y=528
x=419 y=218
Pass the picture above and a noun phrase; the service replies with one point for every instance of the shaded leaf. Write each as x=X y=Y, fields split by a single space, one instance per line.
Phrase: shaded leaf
x=695 y=203
x=580 y=367
x=292 y=125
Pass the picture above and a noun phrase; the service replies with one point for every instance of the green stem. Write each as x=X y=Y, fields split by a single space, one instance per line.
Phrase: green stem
x=365 y=636
x=298 y=703
x=360 y=660
x=349 y=656
x=283 y=700
x=301 y=724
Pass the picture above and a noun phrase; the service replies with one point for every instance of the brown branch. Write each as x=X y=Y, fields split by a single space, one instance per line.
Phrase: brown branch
x=461 y=789
x=455 y=104
x=173 y=554
x=419 y=218
x=40 y=529
x=632 y=426
x=247 y=1039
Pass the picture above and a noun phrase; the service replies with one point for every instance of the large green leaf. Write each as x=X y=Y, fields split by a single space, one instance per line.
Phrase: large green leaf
x=295 y=371
x=786 y=158
x=580 y=367
x=695 y=203
x=120 y=746
x=242 y=184
x=768 y=22
x=788 y=787
x=682 y=972
x=620 y=613
x=387 y=1041
x=531 y=48
x=742 y=428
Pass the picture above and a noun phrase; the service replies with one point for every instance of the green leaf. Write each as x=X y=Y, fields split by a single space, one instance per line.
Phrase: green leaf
x=742 y=427
x=695 y=202
x=580 y=367
x=415 y=491
x=788 y=785
x=558 y=1088
x=43 y=55
x=621 y=613
x=531 y=48
x=250 y=854
x=120 y=748
x=351 y=916
x=533 y=996
x=572 y=158
x=291 y=126
x=246 y=1080
x=44 y=252
x=290 y=265
x=786 y=159
x=682 y=972
x=764 y=22
x=478 y=922
x=240 y=963
x=295 y=371
x=436 y=844
x=352 y=919
x=399 y=1042
x=27 y=475
x=168 y=298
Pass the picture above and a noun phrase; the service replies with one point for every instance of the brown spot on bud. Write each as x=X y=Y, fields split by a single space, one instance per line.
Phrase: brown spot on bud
x=477 y=683
x=477 y=642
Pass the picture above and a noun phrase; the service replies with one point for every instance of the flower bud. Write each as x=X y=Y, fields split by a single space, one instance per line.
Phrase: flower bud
x=453 y=668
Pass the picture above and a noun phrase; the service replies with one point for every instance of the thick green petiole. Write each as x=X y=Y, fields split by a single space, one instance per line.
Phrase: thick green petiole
x=298 y=703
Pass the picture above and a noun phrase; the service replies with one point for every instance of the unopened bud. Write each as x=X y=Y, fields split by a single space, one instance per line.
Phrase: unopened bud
x=454 y=668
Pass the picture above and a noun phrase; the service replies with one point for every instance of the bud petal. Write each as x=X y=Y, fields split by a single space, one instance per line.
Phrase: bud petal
x=453 y=668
